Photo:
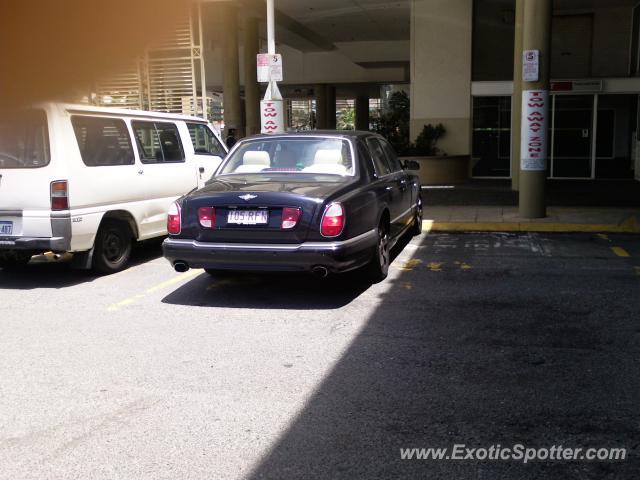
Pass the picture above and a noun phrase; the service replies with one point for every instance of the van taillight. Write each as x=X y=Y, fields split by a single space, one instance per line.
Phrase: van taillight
x=207 y=217
x=332 y=221
x=173 y=219
x=59 y=195
x=290 y=217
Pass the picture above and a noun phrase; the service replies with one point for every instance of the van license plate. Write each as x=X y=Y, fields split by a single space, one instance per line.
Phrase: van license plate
x=248 y=217
x=6 y=228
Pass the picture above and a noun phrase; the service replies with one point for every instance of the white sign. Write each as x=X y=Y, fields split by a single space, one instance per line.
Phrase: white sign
x=272 y=116
x=535 y=125
x=531 y=65
x=269 y=68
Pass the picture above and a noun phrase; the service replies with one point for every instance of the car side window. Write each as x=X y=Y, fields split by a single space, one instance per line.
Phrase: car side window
x=204 y=141
x=396 y=166
x=380 y=161
x=103 y=141
x=158 y=142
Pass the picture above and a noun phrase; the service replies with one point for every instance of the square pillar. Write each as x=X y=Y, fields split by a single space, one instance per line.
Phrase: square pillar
x=441 y=40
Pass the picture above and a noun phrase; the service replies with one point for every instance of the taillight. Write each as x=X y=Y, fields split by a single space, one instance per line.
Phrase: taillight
x=173 y=219
x=290 y=217
x=332 y=221
x=59 y=195
x=207 y=217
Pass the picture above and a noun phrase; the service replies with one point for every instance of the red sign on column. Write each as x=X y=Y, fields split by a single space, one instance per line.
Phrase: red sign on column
x=534 y=149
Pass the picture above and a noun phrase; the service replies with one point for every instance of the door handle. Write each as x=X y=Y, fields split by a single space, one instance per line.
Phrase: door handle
x=201 y=169
x=140 y=172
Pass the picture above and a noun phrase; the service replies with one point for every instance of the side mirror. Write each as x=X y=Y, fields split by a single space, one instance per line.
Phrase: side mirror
x=411 y=165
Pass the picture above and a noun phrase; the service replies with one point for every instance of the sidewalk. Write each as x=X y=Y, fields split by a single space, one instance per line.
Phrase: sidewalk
x=506 y=219
x=606 y=206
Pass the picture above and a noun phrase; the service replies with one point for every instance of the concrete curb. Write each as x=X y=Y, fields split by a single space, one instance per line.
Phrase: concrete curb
x=630 y=225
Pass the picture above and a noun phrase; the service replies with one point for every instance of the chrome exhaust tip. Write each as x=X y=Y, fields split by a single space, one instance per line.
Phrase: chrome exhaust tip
x=320 y=271
x=181 y=267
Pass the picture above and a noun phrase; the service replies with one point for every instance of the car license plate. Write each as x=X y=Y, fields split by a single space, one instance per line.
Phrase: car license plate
x=248 y=217
x=6 y=228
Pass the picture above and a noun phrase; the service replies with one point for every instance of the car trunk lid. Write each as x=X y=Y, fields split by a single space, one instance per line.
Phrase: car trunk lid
x=252 y=212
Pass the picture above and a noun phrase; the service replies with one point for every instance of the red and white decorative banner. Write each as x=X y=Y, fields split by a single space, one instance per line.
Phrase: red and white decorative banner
x=534 y=148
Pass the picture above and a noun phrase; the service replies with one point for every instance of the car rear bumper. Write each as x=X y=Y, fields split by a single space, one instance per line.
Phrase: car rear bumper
x=338 y=256
x=54 y=244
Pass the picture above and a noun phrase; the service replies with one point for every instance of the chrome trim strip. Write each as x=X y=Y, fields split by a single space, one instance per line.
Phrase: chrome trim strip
x=330 y=246
x=402 y=214
x=11 y=213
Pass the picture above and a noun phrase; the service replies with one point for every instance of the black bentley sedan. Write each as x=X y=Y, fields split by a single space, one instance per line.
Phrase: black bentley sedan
x=322 y=202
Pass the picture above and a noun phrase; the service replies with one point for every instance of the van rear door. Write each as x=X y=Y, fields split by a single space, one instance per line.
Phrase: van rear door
x=25 y=175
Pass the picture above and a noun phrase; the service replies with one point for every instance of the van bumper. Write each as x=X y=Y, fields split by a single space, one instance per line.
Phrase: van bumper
x=53 y=244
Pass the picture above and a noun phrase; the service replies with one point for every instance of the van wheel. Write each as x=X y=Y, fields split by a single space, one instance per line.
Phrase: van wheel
x=14 y=260
x=113 y=247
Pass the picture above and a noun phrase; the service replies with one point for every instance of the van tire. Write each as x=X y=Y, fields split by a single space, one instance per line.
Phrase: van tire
x=112 y=249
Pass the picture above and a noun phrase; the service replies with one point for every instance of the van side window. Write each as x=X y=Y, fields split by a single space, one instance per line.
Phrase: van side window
x=103 y=141
x=380 y=161
x=158 y=142
x=204 y=141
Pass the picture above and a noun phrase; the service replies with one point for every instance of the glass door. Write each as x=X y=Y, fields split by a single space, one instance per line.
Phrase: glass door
x=572 y=136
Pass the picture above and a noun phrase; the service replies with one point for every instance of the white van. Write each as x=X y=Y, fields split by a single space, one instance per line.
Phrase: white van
x=89 y=180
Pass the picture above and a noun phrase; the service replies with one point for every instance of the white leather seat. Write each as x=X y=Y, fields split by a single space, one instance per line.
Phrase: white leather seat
x=254 y=161
x=327 y=161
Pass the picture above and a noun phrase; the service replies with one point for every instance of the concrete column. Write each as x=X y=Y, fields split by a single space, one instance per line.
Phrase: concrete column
x=536 y=35
x=516 y=99
x=251 y=86
x=331 y=107
x=231 y=69
x=321 y=106
x=362 y=113
x=441 y=34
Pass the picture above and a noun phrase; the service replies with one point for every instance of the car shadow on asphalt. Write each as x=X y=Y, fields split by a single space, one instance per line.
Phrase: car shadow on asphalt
x=295 y=291
x=45 y=271
x=518 y=351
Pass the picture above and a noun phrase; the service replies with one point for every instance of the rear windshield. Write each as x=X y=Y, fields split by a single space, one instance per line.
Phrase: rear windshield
x=291 y=156
x=24 y=140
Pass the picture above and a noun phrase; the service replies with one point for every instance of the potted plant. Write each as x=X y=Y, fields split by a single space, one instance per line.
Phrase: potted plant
x=436 y=167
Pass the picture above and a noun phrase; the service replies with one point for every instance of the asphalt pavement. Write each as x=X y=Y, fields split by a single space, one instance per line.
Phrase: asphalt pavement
x=475 y=339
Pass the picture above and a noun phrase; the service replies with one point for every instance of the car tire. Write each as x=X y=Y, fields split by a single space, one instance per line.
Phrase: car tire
x=378 y=267
x=112 y=248
x=14 y=261
x=416 y=228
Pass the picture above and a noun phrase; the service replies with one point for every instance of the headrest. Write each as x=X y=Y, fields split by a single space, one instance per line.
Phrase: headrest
x=256 y=158
x=328 y=157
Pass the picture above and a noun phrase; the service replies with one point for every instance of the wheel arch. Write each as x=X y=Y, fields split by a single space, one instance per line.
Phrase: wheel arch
x=125 y=217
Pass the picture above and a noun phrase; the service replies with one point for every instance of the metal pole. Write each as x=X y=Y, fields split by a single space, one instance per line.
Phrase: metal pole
x=203 y=75
x=271 y=27
x=272 y=106
x=534 y=149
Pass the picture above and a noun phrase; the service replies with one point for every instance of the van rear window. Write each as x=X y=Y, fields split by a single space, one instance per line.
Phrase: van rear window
x=24 y=140
x=103 y=141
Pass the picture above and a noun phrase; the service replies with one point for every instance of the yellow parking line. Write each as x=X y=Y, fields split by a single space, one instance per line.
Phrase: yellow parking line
x=619 y=251
x=410 y=265
x=173 y=281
